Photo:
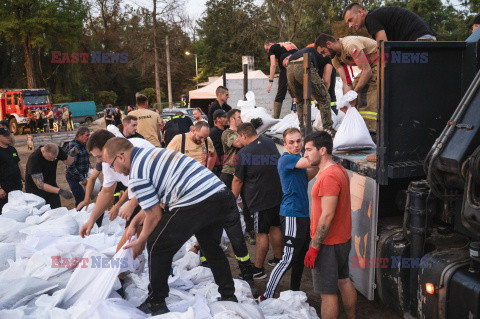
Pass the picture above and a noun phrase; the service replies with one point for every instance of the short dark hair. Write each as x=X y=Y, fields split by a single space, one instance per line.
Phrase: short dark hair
x=4 y=123
x=246 y=128
x=321 y=139
x=322 y=39
x=198 y=126
x=82 y=130
x=129 y=118
x=353 y=5
x=269 y=41
x=221 y=90
x=476 y=20
x=140 y=99
x=291 y=130
x=231 y=114
x=98 y=139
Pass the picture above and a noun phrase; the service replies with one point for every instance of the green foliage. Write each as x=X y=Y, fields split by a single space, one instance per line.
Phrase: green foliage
x=151 y=95
x=62 y=98
x=106 y=97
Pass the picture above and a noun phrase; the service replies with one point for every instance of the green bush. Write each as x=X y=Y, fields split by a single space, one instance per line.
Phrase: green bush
x=106 y=97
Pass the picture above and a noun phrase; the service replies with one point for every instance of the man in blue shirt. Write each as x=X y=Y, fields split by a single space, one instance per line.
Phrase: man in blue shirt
x=76 y=174
x=295 y=172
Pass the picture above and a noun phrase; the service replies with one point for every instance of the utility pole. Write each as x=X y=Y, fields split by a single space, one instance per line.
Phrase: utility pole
x=157 y=73
x=169 y=78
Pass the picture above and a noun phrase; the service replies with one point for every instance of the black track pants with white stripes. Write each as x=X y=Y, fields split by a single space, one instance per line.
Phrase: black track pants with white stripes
x=296 y=238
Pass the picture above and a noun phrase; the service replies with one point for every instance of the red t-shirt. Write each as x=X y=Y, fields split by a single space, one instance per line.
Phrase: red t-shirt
x=333 y=181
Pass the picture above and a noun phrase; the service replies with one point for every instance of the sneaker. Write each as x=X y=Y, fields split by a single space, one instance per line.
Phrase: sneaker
x=259 y=273
x=261 y=298
x=273 y=262
x=153 y=307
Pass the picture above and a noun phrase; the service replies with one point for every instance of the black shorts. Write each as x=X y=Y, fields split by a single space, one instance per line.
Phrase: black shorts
x=330 y=266
x=265 y=219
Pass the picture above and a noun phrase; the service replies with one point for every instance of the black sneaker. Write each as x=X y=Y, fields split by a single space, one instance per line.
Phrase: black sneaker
x=259 y=273
x=153 y=307
x=273 y=262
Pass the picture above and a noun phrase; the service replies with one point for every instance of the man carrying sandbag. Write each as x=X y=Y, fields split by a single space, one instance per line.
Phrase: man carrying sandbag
x=179 y=197
x=361 y=52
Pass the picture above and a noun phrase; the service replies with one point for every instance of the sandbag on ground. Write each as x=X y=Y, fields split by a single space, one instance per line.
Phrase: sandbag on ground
x=18 y=292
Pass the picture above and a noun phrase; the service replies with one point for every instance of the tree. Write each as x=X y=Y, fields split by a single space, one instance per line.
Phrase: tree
x=106 y=97
x=151 y=95
x=34 y=24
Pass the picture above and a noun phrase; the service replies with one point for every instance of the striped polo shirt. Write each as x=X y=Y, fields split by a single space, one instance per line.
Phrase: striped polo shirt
x=160 y=175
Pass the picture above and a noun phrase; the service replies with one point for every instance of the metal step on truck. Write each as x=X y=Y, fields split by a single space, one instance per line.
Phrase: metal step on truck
x=416 y=211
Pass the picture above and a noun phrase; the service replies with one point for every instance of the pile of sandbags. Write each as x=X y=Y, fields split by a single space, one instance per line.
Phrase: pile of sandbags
x=258 y=116
x=48 y=271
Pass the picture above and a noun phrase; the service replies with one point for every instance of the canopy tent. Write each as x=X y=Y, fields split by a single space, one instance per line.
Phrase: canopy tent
x=204 y=96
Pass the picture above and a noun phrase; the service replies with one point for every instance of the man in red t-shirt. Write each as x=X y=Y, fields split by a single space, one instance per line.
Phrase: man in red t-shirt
x=330 y=228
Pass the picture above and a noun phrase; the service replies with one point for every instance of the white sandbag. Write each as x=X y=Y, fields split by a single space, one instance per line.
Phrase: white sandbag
x=344 y=101
x=49 y=215
x=291 y=303
x=189 y=314
x=197 y=275
x=260 y=115
x=109 y=308
x=187 y=262
x=93 y=283
x=290 y=120
x=353 y=133
x=250 y=103
x=65 y=225
x=136 y=288
x=97 y=186
x=234 y=310
x=114 y=130
x=19 y=292
x=10 y=230
x=7 y=251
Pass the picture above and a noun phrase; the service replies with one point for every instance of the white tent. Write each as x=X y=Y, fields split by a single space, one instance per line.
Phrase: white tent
x=257 y=82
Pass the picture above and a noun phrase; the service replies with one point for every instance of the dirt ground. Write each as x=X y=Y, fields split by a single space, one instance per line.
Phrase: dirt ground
x=365 y=308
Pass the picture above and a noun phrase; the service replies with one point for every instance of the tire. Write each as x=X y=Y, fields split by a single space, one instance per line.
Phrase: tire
x=13 y=125
x=88 y=120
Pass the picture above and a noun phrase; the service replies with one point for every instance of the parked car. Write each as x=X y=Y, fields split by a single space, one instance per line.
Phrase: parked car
x=167 y=113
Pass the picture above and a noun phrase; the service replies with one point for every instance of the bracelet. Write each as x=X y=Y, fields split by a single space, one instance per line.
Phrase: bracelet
x=197 y=247
x=271 y=81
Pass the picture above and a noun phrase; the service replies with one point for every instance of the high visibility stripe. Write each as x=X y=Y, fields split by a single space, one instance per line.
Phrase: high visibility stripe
x=203 y=258
x=247 y=257
x=368 y=113
x=369 y=117
x=116 y=194
x=333 y=103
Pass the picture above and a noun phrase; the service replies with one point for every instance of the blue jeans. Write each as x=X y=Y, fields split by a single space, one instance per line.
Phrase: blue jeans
x=76 y=188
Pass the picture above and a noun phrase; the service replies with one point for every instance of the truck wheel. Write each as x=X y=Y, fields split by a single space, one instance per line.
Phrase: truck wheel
x=13 y=126
x=88 y=120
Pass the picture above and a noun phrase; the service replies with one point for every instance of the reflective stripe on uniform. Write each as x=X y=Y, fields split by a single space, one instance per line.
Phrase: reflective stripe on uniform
x=202 y=258
x=333 y=103
x=116 y=194
x=369 y=115
x=247 y=257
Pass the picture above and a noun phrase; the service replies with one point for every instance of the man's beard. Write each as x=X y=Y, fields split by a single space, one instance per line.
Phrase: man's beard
x=198 y=142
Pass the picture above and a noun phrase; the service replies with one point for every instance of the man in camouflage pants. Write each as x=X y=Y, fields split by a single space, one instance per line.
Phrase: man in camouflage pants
x=319 y=88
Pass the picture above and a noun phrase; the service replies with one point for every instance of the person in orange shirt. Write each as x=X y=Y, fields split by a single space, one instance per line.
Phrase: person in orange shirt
x=330 y=228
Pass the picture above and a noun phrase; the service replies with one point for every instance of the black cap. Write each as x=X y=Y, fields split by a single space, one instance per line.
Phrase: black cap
x=4 y=131
x=219 y=113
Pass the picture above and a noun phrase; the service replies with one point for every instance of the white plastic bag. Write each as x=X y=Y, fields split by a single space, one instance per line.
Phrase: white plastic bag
x=257 y=114
x=290 y=304
x=19 y=292
x=249 y=103
x=346 y=99
x=290 y=120
x=98 y=186
x=353 y=133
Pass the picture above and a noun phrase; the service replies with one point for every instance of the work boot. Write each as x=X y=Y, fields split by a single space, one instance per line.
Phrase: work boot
x=246 y=269
x=277 y=109
x=155 y=308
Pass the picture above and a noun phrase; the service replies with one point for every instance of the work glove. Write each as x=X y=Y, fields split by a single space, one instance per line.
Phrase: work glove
x=65 y=194
x=73 y=152
x=311 y=256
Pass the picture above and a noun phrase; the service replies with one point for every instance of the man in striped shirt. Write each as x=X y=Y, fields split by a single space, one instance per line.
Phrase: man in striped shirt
x=179 y=197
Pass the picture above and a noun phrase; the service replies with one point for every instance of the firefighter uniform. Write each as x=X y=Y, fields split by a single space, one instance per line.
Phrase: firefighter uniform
x=367 y=101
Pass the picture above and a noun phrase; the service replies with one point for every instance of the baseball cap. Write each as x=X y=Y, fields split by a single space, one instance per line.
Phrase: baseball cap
x=219 y=113
x=475 y=21
x=4 y=131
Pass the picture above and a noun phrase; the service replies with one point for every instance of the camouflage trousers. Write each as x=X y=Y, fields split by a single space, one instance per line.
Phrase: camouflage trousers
x=319 y=92
x=367 y=101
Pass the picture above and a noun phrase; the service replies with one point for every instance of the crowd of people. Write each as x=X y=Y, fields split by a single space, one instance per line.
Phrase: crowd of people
x=50 y=120
x=184 y=178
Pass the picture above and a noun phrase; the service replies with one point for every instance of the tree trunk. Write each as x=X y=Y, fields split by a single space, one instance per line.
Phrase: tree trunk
x=29 y=68
x=157 y=72
x=169 y=77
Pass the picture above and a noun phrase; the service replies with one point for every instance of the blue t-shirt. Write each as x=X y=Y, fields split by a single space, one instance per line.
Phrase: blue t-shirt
x=294 y=186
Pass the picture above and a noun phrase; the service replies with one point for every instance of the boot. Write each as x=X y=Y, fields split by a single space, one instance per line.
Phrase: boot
x=277 y=109
x=246 y=268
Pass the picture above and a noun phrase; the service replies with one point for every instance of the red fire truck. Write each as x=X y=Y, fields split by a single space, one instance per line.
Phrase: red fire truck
x=15 y=104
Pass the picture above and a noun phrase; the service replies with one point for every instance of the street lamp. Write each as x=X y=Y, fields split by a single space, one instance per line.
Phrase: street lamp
x=196 y=64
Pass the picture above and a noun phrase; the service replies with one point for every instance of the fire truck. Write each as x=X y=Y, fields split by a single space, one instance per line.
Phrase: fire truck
x=15 y=104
